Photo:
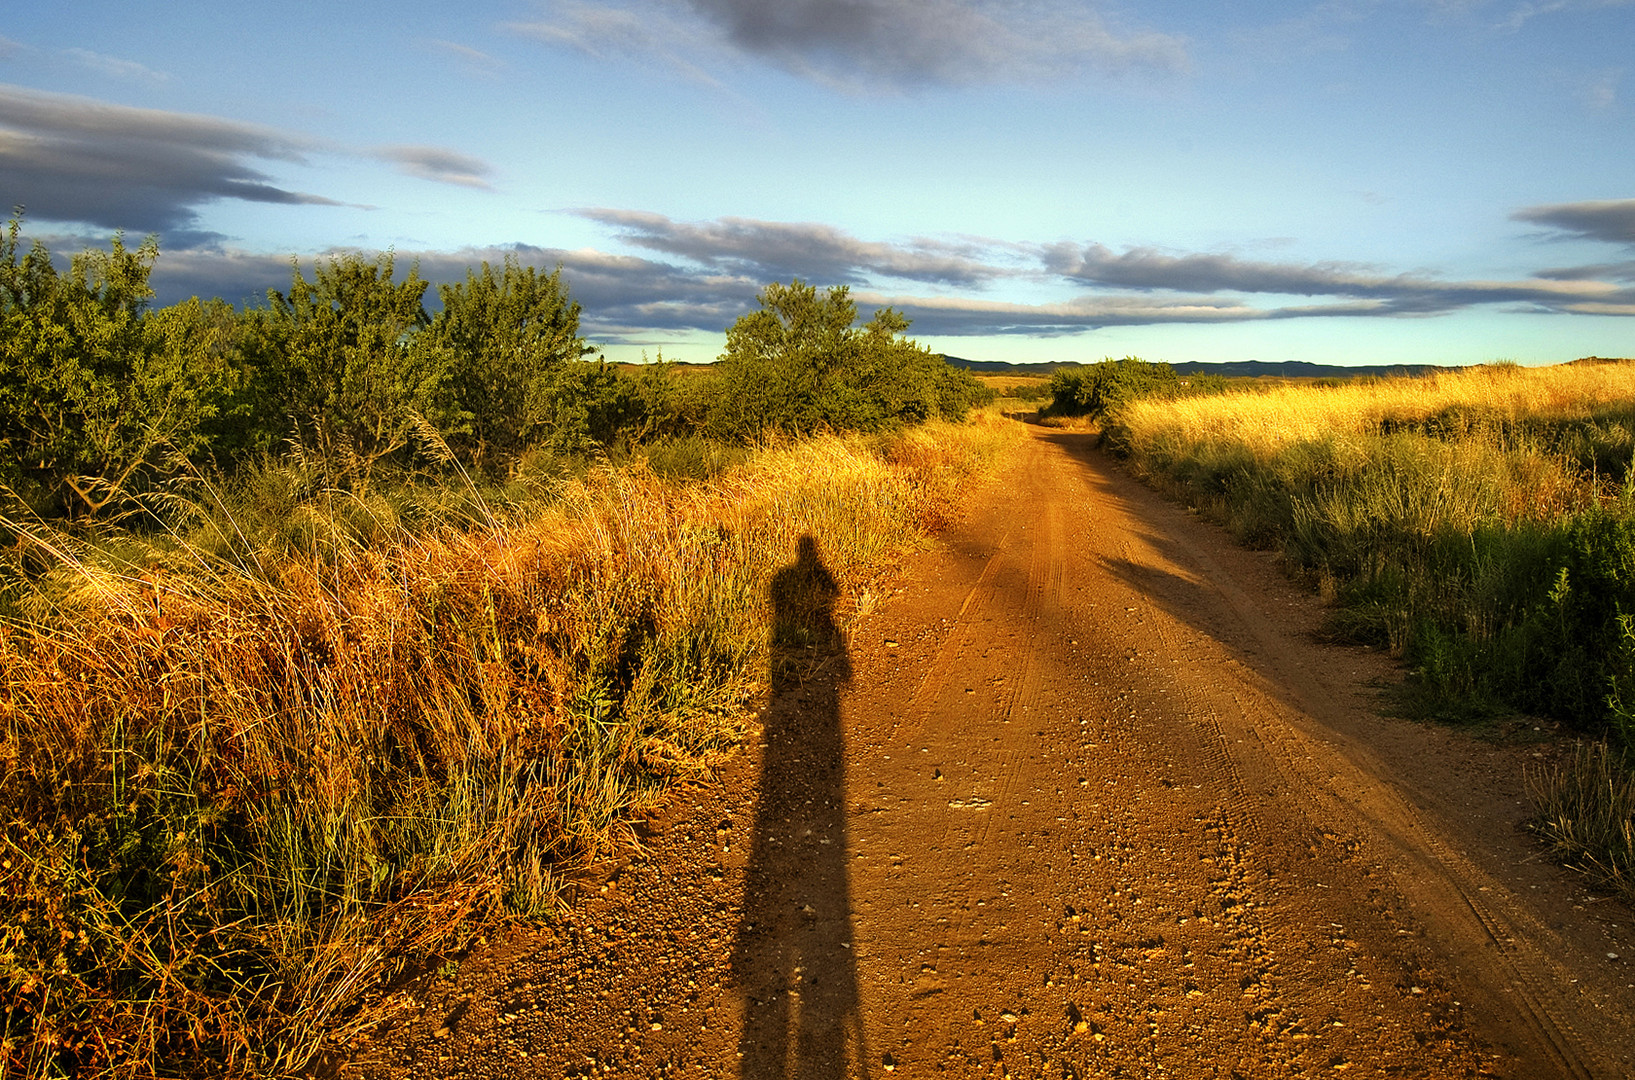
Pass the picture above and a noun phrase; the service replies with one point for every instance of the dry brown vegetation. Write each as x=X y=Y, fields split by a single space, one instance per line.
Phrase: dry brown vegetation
x=243 y=787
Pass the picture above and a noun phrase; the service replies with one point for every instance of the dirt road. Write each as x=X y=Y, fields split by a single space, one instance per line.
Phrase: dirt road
x=1084 y=798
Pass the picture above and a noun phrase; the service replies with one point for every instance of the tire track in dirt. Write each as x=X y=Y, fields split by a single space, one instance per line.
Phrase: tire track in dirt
x=1211 y=981
x=1498 y=943
x=1434 y=876
x=1106 y=812
x=1269 y=783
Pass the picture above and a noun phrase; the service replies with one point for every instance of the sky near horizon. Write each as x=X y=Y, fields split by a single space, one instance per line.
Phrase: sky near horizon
x=1344 y=181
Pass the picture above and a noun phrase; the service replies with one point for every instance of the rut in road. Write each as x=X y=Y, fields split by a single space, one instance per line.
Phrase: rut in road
x=1071 y=805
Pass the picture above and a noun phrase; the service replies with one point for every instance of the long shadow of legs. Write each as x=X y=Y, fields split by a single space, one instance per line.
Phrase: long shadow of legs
x=793 y=955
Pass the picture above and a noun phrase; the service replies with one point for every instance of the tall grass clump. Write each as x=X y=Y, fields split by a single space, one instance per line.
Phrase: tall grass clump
x=1481 y=523
x=1587 y=815
x=244 y=784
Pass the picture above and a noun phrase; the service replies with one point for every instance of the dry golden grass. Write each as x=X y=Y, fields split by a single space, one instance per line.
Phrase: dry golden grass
x=1070 y=423
x=1261 y=422
x=1480 y=522
x=239 y=795
x=1006 y=383
x=1587 y=815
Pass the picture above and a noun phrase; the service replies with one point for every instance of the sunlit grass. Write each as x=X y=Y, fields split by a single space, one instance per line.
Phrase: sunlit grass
x=1261 y=422
x=1480 y=523
x=248 y=775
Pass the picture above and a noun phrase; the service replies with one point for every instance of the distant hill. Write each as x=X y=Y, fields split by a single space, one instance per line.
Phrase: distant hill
x=1300 y=369
x=999 y=367
x=1286 y=369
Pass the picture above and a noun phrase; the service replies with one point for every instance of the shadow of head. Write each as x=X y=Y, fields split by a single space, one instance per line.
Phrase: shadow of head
x=804 y=632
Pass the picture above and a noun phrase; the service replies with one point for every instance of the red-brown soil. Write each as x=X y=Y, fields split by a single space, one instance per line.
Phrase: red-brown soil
x=1085 y=797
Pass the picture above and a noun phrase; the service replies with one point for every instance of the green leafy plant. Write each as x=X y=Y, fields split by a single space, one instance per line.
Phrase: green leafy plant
x=515 y=351
x=800 y=364
x=98 y=401
x=344 y=360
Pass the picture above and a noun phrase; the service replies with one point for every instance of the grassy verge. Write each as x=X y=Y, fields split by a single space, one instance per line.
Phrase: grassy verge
x=1480 y=523
x=242 y=787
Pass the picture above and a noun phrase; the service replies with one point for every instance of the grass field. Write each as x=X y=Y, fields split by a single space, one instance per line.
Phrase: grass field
x=1481 y=523
x=1018 y=388
x=246 y=778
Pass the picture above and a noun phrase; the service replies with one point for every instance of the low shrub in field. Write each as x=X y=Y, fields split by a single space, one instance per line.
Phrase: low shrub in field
x=1099 y=390
x=1013 y=389
x=239 y=793
x=801 y=364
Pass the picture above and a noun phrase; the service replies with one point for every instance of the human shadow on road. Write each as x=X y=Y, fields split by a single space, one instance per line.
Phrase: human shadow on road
x=793 y=958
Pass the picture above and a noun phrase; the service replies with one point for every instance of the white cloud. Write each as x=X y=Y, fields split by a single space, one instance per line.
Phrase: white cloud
x=719 y=266
x=1149 y=269
x=1521 y=14
x=605 y=33
x=1601 y=92
x=769 y=250
x=1608 y=220
x=76 y=159
x=470 y=58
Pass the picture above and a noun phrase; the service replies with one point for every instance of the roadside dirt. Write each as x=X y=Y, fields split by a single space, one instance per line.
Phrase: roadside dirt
x=1086 y=797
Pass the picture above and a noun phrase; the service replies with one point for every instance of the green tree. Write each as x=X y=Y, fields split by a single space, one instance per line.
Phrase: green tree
x=1099 y=389
x=655 y=405
x=801 y=364
x=98 y=397
x=515 y=351
x=343 y=359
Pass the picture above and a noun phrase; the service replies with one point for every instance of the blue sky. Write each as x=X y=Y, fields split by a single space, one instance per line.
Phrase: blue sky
x=1352 y=181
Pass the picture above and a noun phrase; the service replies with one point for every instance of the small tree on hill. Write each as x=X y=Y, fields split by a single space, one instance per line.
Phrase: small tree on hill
x=800 y=364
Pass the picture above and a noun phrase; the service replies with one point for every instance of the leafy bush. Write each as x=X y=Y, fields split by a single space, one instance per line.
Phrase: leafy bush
x=1101 y=389
x=351 y=378
x=344 y=359
x=98 y=401
x=515 y=353
x=800 y=365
